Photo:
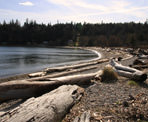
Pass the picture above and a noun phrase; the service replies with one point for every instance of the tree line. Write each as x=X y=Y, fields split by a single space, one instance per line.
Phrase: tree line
x=74 y=34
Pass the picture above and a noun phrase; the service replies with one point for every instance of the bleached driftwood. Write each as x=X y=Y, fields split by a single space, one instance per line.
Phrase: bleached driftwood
x=37 y=74
x=50 y=107
x=25 y=89
x=66 y=69
x=85 y=117
x=128 y=72
x=60 y=74
x=143 y=56
x=140 y=66
x=59 y=69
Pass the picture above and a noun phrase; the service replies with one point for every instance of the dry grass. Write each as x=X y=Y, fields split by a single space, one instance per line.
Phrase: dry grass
x=109 y=75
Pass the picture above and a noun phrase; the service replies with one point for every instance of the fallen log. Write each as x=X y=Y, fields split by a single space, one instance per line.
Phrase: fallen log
x=143 y=56
x=59 y=69
x=140 y=66
x=60 y=74
x=66 y=69
x=129 y=72
x=50 y=107
x=25 y=89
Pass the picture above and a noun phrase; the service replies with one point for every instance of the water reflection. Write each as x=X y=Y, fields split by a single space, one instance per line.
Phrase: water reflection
x=17 y=60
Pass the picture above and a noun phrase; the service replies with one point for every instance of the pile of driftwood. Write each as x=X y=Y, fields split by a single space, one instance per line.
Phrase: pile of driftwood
x=128 y=72
x=25 y=89
x=36 y=86
x=50 y=107
x=53 y=105
x=140 y=64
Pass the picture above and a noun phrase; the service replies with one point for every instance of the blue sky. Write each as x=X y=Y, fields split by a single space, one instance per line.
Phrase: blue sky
x=92 y=11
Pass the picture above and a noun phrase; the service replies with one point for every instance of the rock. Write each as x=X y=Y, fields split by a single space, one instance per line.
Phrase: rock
x=131 y=97
x=125 y=104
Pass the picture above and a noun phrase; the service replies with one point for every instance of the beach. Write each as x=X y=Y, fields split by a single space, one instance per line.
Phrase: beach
x=105 y=101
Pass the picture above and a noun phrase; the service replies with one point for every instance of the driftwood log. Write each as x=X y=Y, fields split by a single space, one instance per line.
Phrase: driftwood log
x=129 y=72
x=143 y=56
x=63 y=73
x=140 y=66
x=50 y=107
x=57 y=69
x=67 y=69
x=25 y=89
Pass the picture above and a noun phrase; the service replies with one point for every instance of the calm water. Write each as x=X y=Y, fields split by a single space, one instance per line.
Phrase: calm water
x=18 y=60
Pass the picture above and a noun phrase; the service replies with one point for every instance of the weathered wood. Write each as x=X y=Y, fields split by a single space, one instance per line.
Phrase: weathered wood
x=60 y=71
x=140 y=66
x=129 y=72
x=37 y=74
x=50 y=107
x=25 y=89
x=143 y=56
x=60 y=74
x=85 y=117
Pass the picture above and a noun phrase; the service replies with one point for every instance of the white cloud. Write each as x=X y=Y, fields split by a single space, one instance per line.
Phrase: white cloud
x=114 y=6
x=27 y=3
x=77 y=3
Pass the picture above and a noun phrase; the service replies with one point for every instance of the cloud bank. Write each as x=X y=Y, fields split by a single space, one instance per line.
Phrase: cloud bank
x=27 y=3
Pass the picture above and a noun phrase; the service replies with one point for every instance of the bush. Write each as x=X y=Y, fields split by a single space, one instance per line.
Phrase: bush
x=109 y=75
x=132 y=83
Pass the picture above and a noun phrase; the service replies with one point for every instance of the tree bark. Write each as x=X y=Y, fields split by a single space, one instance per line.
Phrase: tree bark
x=50 y=107
x=129 y=72
x=25 y=89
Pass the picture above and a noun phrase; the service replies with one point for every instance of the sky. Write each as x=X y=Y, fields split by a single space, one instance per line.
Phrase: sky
x=62 y=11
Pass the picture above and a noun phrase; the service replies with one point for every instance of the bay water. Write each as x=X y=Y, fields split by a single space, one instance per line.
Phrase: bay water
x=21 y=60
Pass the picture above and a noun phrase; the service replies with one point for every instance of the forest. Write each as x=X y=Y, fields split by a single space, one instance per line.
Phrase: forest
x=74 y=34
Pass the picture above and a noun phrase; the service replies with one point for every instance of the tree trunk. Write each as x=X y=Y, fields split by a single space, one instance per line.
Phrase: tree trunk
x=50 y=107
x=129 y=72
x=25 y=89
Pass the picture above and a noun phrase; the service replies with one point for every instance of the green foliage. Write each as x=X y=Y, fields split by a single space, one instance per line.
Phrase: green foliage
x=112 y=34
x=109 y=75
x=132 y=83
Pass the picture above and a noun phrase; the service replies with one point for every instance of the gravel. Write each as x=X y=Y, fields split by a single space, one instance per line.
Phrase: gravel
x=116 y=101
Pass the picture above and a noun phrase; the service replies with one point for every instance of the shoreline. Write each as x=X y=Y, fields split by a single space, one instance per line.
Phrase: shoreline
x=26 y=75
x=100 y=55
x=102 y=97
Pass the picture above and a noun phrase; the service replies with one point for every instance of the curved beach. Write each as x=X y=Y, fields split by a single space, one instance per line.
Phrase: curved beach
x=104 y=101
x=27 y=60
